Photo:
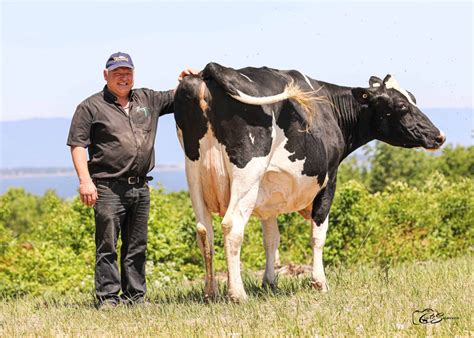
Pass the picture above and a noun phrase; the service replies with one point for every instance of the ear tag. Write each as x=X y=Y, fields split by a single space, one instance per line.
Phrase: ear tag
x=364 y=96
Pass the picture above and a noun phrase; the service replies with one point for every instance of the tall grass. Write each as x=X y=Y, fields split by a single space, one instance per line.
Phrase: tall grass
x=363 y=301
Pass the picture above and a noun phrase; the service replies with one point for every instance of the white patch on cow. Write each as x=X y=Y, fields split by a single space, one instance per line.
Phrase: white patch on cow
x=392 y=83
x=246 y=77
x=307 y=80
x=246 y=183
x=317 y=242
x=252 y=138
x=284 y=188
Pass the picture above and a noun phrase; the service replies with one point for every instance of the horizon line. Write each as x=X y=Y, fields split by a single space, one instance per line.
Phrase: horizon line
x=69 y=117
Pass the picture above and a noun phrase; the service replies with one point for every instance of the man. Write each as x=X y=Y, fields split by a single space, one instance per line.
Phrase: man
x=118 y=127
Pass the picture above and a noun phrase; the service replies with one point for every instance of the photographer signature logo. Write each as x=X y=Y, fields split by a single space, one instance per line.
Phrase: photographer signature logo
x=429 y=316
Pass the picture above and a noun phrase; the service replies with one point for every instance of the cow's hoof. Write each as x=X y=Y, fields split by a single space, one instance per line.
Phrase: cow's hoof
x=211 y=292
x=238 y=299
x=320 y=286
x=269 y=286
x=210 y=297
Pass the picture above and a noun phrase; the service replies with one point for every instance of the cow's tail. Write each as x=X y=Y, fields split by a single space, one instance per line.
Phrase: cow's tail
x=291 y=92
x=229 y=79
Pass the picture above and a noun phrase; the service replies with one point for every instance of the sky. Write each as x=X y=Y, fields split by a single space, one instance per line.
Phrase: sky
x=53 y=53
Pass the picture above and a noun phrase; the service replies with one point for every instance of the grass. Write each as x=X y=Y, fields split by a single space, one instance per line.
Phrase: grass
x=363 y=301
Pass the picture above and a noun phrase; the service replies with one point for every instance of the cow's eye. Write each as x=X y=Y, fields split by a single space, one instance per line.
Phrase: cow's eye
x=403 y=107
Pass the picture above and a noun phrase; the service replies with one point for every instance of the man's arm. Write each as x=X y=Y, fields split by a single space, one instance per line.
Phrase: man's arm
x=87 y=188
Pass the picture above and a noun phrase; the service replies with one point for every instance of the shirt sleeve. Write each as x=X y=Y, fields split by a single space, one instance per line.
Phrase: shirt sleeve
x=164 y=101
x=81 y=125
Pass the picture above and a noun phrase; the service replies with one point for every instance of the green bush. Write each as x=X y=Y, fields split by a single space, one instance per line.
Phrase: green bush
x=399 y=205
x=389 y=164
x=55 y=253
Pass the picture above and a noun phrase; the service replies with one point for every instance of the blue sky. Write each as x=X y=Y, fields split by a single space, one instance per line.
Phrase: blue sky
x=53 y=53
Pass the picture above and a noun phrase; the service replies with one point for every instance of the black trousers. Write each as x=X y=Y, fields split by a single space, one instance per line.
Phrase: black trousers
x=123 y=209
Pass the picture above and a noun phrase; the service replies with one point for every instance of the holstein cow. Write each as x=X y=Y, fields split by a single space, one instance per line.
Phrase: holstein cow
x=261 y=141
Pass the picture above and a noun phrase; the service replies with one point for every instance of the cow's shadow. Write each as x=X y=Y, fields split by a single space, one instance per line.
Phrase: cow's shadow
x=187 y=293
x=287 y=286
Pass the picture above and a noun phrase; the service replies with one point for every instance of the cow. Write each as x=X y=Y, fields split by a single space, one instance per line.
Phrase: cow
x=262 y=141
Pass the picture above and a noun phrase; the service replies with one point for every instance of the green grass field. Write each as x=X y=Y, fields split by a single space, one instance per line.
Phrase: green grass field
x=362 y=301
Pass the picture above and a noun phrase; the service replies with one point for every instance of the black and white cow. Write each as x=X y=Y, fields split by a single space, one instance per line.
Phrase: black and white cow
x=261 y=141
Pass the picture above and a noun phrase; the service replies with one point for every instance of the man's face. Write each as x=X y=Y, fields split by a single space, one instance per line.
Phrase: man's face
x=119 y=81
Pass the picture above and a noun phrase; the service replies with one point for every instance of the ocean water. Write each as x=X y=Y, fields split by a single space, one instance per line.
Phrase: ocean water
x=66 y=186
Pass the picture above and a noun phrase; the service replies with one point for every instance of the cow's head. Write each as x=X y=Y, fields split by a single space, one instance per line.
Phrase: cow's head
x=395 y=117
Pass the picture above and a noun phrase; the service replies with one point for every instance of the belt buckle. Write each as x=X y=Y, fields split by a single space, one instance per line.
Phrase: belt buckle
x=133 y=180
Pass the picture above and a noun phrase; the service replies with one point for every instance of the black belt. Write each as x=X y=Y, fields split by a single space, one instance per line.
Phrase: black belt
x=130 y=180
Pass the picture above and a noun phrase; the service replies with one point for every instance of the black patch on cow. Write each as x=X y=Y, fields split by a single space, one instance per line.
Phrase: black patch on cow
x=188 y=115
x=303 y=144
x=264 y=81
x=233 y=122
x=323 y=201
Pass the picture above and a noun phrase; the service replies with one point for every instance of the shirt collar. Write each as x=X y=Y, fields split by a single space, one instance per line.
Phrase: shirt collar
x=110 y=97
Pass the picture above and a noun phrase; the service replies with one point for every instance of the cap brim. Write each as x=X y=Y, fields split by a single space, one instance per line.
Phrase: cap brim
x=118 y=65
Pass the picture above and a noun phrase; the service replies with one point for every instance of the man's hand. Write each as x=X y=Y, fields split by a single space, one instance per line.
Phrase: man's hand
x=87 y=188
x=88 y=192
x=186 y=72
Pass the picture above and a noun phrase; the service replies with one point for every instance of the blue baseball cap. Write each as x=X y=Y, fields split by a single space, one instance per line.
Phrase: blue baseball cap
x=119 y=59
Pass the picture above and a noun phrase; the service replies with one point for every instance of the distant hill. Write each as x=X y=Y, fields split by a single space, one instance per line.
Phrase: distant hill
x=42 y=142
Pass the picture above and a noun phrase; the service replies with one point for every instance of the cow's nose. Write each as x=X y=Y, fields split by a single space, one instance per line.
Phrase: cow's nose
x=440 y=138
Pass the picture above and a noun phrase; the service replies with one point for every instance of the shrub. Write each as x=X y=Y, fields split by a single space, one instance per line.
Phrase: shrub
x=53 y=250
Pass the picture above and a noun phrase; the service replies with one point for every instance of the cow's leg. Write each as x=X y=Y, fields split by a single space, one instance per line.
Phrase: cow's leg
x=205 y=233
x=205 y=239
x=233 y=226
x=271 y=241
x=319 y=227
x=244 y=193
x=318 y=238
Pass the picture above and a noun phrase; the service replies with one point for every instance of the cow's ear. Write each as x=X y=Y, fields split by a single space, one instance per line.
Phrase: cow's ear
x=374 y=81
x=362 y=95
x=387 y=78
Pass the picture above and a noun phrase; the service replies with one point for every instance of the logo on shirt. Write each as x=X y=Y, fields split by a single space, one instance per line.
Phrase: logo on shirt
x=145 y=110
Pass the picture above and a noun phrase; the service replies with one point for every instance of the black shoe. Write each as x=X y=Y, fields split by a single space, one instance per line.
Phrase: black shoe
x=135 y=301
x=107 y=304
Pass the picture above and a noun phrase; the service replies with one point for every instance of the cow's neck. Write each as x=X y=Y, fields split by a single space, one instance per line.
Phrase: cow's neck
x=353 y=119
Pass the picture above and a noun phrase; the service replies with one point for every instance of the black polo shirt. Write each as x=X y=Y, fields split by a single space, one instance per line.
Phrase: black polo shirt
x=119 y=144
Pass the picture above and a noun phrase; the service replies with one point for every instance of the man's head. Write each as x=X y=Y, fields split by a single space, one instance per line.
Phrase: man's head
x=118 y=73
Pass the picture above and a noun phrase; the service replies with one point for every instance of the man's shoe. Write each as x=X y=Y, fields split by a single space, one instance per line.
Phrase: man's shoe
x=135 y=302
x=108 y=304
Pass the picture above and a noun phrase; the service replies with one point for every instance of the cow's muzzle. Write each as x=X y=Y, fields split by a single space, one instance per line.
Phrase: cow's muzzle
x=438 y=141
